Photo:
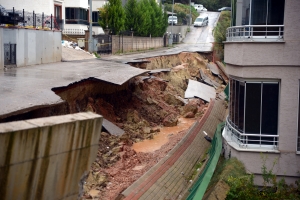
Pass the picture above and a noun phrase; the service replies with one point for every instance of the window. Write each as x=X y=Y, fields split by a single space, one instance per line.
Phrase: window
x=76 y=16
x=253 y=109
x=95 y=18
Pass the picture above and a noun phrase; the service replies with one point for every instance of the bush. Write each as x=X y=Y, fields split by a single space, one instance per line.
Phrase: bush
x=243 y=187
x=220 y=32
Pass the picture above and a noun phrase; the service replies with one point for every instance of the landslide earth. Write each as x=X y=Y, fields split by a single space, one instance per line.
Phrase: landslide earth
x=149 y=103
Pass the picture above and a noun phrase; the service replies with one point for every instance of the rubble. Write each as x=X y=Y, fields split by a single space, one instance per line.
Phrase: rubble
x=140 y=110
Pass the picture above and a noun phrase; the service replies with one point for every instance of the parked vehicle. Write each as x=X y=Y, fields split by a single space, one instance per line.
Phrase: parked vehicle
x=172 y=20
x=224 y=9
x=204 y=9
x=198 y=7
x=201 y=21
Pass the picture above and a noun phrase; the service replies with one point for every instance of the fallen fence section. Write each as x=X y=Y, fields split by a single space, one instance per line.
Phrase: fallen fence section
x=200 y=186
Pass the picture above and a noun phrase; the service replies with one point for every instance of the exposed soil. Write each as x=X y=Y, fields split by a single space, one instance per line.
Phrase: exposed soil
x=141 y=109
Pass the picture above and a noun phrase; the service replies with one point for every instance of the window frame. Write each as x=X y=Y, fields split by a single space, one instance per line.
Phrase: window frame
x=298 y=122
x=263 y=137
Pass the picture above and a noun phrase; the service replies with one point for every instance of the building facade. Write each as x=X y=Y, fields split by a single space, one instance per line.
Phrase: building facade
x=262 y=51
x=72 y=17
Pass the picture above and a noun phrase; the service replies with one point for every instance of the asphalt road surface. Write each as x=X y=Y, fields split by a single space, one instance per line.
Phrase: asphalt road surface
x=201 y=38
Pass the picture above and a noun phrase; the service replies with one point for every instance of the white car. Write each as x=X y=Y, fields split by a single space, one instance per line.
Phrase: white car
x=201 y=21
x=172 y=20
x=204 y=9
x=198 y=7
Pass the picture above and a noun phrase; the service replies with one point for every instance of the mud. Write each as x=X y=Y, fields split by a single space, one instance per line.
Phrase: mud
x=141 y=107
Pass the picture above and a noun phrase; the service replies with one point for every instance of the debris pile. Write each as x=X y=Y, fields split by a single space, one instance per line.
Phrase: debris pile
x=148 y=103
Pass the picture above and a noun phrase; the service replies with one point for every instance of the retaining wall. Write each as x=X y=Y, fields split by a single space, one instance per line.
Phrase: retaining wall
x=129 y=43
x=47 y=158
x=32 y=46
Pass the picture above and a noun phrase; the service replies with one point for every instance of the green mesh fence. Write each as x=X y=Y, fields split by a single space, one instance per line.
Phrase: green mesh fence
x=199 y=188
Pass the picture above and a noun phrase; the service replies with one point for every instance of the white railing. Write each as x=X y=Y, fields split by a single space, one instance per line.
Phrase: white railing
x=263 y=33
x=245 y=140
x=73 y=31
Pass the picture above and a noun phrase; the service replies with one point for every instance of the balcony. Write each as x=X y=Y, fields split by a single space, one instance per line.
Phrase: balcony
x=255 y=33
x=249 y=142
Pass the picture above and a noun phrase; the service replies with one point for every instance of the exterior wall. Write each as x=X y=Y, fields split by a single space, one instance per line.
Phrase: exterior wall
x=270 y=53
x=77 y=4
x=74 y=29
x=258 y=53
x=288 y=98
x=46 y=158
x=98 y=4
x=135 y=43
x=178 y=29
x=287 y=163
x=272 y=60
x=38 y=6
x=33 y=46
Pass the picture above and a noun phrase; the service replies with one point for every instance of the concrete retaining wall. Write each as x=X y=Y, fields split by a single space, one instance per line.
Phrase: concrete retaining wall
x=46 y=158
x=129 y=43
x=32 y=46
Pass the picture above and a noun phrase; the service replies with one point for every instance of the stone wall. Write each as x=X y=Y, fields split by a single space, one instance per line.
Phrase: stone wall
x=47 y=158
x=129 y=43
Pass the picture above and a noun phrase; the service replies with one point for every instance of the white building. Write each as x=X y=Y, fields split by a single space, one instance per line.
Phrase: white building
x=262 y=51
x=70 y=16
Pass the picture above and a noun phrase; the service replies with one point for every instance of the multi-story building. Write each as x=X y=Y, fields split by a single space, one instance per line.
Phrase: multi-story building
x=262 y=55
x=70 y=16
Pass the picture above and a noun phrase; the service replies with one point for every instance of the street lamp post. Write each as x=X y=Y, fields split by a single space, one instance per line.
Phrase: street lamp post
x=190 y=15
x=90 y=27
x=172 y=21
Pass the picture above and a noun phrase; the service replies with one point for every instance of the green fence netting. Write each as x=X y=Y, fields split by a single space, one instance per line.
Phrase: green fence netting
x=199 y=188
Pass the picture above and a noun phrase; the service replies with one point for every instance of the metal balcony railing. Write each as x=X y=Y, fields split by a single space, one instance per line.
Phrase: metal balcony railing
x=251 y=141
x=257 y=33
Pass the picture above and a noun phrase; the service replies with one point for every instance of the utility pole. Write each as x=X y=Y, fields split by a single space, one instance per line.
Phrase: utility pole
x=90 y=27
x=190 y=16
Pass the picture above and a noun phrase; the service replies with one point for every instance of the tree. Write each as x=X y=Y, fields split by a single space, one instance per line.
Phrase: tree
x=158 y=20
x=112 y=15
x=144 y=20
x=132 y=15
x=103 y=16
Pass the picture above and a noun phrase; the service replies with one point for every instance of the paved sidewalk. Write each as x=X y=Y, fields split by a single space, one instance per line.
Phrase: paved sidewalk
x=170 y=178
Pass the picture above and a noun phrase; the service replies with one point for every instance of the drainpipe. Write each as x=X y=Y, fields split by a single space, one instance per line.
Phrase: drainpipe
x=90 y=27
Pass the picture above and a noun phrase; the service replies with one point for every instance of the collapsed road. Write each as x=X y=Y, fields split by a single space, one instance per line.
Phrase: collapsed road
x=136 y=101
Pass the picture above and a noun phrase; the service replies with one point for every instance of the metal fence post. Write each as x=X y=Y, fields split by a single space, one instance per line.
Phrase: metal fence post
x=51 y=21
x=43 y=20
x=33 y=18
x=14 y=15
x=23 y=18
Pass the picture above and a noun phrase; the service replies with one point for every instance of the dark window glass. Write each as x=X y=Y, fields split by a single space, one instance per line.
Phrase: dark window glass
x=270 y=108
x=231 y=100
x=95 y=16
x=259 y=12
x=76 y=16
x=241 y=106
x=68 y=13
x=275 y=12
x=236 y=104
x=253 y=103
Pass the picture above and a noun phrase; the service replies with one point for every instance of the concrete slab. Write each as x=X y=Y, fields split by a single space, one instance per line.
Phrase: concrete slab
x=200 y=90
x=111 y=128
x=160 y=70
x=38 y=81
x=213 y=68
